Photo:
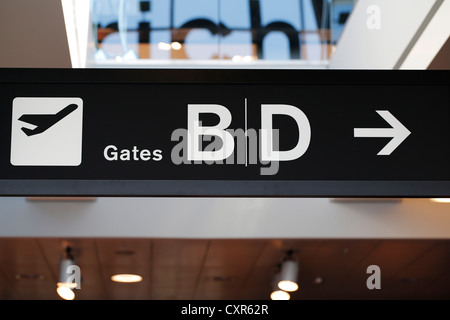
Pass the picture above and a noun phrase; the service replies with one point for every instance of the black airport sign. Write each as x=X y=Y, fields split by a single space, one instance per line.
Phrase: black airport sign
x=277 y=133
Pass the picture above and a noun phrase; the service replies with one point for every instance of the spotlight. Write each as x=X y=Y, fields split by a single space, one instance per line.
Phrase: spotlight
x=288 y=274
x=65 y=284
x=278 y=294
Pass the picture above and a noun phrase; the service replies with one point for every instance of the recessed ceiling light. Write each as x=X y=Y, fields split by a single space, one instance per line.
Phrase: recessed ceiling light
x=441 y=200
x=66 y=266
x=126 y=278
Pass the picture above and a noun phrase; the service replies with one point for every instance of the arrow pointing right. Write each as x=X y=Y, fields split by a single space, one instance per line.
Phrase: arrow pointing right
x=398 y=132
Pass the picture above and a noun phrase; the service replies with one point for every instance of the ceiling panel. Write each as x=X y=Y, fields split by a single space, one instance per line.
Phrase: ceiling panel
x=25 y=269
x=434 y=262
x=172 y=252
x=439 y=289
x=426 y=271
x=395 y=255
x=175 y=276
x=15 y=251
x=224 y=280
x=334 y=262
x=6 y=291
x=226 y=269
x=31 y=281
x=123 y=252
x=234 y=253
x=172 y=293
x=92 y=283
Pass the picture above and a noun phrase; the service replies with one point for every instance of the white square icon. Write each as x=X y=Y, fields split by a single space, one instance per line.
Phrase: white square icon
x=46 y=131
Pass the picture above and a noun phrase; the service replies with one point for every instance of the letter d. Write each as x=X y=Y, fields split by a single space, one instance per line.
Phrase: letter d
x=267 y=152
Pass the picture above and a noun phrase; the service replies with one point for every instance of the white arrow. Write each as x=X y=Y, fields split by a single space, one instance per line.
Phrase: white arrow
x=398 y=132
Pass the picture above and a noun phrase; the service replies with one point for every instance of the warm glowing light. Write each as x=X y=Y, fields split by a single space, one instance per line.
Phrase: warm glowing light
x=126 y=278
x=441 y=200
x=70 y=285
x=164 y=46
x=65 y=293
x=289 y=286
x=280 y=295
x=176 y=45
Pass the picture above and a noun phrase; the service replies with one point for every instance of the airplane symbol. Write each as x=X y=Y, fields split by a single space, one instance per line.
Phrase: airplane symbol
x=44 y=121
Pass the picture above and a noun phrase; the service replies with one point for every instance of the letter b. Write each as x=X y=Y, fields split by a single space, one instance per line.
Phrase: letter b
x=196 y=131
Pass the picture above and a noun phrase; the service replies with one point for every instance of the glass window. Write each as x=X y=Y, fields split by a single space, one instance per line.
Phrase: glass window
x=148 y=32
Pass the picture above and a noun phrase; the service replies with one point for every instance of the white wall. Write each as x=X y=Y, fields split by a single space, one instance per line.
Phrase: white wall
x=433 y=38
x=380 y=34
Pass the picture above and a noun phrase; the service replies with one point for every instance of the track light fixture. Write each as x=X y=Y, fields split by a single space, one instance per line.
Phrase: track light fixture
x=289 y=273
x=66 y=283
